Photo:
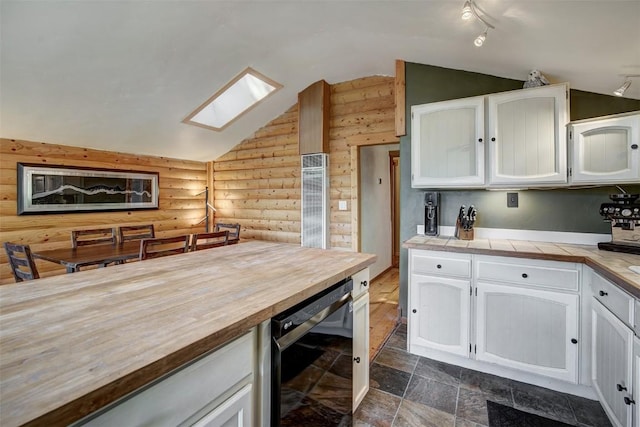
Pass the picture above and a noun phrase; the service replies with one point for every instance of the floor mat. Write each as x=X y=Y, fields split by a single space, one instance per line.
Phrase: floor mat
x=506 y=416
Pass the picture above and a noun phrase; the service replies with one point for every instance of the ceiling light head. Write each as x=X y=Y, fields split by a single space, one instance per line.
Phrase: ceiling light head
x=622 y=89
x=467 y=11
x=479 y=41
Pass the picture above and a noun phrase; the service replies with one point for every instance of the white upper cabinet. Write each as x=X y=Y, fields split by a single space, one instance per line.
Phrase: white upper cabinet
x=527 y=137
x=605 y=149
x=447 y=144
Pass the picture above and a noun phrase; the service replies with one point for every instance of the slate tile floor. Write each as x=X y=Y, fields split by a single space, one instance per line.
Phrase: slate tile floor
x=409 y=390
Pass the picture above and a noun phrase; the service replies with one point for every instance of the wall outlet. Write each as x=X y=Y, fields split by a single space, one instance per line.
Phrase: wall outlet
x=342 y=205
x=512 y=200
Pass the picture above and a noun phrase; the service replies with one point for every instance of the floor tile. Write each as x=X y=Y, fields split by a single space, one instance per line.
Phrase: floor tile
x=377 y=409
x=466 y=423
x=412 y=414
x=432 y=393
x=439 y=371
x=388 y=379
x=495 y=388
x=543 y=401
x=397 y=340
x=398 y=359
x=588 y=411
x=472 y=406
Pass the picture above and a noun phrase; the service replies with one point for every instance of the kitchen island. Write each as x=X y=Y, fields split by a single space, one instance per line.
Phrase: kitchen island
x=72 y=344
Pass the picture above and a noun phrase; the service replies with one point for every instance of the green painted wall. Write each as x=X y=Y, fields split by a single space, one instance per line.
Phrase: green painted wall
x=574 y=210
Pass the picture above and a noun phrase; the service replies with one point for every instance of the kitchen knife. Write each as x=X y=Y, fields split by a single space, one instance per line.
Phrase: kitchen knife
x=473 y=212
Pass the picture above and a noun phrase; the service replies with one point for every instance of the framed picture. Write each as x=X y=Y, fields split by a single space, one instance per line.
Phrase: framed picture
x=64 y=189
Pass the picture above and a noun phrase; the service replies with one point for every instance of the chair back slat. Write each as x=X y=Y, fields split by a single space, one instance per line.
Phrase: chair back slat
x=216 y=239
x=234 y=231
x=163 y=246
x=136 y=232
x=98 y=236
x=21 y=262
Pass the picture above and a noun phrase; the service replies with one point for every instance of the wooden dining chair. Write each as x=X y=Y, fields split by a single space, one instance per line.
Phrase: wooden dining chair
x=234 y=231
x=21 y=262
x=163 y=246
x=98 y=236
x=136 y=232
x=216 y=239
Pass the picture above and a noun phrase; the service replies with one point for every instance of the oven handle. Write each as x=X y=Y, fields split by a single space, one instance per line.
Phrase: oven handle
x=286 y=340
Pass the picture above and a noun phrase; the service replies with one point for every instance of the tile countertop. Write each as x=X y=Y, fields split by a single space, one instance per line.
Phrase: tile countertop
x=612 y=265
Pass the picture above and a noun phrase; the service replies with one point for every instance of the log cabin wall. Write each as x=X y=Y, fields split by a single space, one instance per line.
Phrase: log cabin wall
x=179 y=207
x=257 y=183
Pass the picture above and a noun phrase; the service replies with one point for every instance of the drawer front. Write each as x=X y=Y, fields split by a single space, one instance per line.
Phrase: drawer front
x=361 y=282
x=545 y=274
x=620 y=303
x=428 y=262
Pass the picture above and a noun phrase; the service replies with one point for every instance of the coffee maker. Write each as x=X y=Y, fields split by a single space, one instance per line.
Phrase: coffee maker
x=431 y=202
x=624 y=214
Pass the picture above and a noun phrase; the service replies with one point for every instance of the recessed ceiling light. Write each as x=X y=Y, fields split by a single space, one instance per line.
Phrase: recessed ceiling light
x=236 y=98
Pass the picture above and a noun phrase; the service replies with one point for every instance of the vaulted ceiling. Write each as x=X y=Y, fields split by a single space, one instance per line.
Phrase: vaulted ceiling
x=121 y=75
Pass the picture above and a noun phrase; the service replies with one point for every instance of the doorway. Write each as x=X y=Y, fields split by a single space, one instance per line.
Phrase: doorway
x=394 y=178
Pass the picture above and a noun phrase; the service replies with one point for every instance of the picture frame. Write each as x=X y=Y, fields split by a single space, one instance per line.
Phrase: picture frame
x=50 y=189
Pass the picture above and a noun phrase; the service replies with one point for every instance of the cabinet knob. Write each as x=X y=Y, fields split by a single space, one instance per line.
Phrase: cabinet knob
x=634 y=146
x=479 y=139
x=525 y=275
x=356 y=359
x=438 y=266
x=603 y=293
x=364 y=283
x=493 y=139
x=414 y=310
x=629 y=401
x=574 y=341
x=620 y=387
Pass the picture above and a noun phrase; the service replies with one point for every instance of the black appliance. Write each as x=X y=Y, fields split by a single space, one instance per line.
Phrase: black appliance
x=624 y=214
x=311 y=361
x=431 y=202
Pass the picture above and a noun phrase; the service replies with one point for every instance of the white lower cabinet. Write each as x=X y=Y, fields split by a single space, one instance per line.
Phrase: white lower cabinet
x=636 y=381
x=612 y=364
x=439 y=314
x=216 y=390
x=360 y=348
x=528 y=329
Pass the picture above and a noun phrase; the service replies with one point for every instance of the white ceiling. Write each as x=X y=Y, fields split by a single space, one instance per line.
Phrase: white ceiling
x=121 y=75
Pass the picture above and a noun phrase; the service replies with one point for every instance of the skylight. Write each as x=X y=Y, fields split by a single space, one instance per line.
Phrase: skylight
x=236 y=98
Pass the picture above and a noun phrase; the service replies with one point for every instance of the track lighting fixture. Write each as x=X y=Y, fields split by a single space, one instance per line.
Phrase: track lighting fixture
x=627 y=82
x=470 y=10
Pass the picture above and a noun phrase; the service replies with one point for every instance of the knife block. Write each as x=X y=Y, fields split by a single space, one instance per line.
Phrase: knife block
x=463 y=234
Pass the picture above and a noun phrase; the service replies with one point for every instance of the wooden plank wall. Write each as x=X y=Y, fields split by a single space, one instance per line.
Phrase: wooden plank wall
x=257 y=183
x=180 y=208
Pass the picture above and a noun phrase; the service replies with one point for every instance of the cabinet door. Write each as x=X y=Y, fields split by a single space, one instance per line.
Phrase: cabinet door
x=636 y=382
x=439 y=317
x=233 y=412
x=603 y=150
x=528 y=329
x=527 y=136
x=360 y=348
x=611 y=359
x=447 y=145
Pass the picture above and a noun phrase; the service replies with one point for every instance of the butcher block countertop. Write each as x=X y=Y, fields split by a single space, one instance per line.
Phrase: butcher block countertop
x=612 y=265
x=74 y=343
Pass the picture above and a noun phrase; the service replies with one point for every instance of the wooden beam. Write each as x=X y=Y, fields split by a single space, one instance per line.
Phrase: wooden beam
x=400 y=88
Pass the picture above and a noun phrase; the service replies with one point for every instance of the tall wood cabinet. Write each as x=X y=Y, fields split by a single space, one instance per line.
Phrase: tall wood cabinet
x=605 y=149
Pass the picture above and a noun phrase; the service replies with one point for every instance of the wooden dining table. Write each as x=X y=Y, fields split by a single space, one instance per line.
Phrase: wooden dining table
x=82 y=256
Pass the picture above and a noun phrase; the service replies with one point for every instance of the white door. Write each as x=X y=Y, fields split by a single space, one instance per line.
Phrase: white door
x=439 y=314
x=527 y=136
x=447 y=143
x=233 y=412
x=636 y=382
x=360 y=348
x=611 y=364
x=606 y=150
x=528 y=329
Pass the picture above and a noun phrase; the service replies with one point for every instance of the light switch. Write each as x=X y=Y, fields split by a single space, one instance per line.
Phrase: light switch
x=342 y=205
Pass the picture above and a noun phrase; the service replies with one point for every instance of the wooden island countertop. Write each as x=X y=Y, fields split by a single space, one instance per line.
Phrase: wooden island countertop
x=612 y=265
x=72 y=344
